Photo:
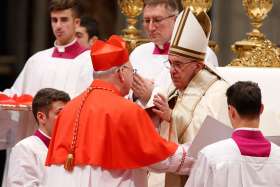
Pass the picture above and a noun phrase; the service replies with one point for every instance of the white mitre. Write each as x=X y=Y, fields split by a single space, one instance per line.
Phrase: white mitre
x=191 y=35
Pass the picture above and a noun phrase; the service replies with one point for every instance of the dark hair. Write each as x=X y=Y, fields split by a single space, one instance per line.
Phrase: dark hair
x=56 y=5
x=91 y=26
x=246 y=98
x=170 y=4
x=45 y=97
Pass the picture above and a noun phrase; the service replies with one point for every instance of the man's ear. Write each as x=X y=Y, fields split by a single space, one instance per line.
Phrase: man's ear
x=41 y=117
x=120 y=74
x=77 y=22
x=261 y=109
x=231 y=112
x=235 y=115
x=92 y=40
x=198 y=66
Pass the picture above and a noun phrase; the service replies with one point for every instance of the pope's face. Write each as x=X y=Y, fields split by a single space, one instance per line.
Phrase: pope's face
x=158 y=22
x=64 y=24
x=183 y=70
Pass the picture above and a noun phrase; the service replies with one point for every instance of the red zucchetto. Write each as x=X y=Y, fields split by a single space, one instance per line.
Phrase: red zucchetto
x=105 y=55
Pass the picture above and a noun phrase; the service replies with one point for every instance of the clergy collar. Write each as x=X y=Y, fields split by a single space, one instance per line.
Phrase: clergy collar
x=247 y=128
x=161 y=50
x=61 y=48
x=69 y=51
x=43 y=137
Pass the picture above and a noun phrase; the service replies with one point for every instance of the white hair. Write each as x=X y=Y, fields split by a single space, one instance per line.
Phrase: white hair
x=99 y=74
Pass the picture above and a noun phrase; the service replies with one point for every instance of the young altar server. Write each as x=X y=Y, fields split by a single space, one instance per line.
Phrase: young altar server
x=247 y=159
x=27 y=159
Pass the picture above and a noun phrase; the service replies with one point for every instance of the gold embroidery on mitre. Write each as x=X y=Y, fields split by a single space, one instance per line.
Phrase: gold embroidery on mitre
x=181 y=27
x=188 y=53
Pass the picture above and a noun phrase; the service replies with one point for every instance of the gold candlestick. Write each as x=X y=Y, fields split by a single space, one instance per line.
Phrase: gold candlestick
x=257 y=11
x=131 y=9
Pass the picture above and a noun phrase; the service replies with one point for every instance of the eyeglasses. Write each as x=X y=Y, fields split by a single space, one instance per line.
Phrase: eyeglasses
x=156 y=21
x=178 y=65
x=133 y=70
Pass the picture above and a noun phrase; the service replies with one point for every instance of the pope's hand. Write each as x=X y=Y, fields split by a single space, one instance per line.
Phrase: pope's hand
x=142 y=88
x=162 y=108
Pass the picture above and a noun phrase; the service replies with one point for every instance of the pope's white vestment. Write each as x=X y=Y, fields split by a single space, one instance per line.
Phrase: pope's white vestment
x=204 y=95
x=156 y=67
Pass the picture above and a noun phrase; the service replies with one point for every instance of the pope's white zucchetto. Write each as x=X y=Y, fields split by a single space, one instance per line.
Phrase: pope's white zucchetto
x=190 y=35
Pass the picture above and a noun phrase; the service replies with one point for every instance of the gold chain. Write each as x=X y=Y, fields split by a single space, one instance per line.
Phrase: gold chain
x=69 y=163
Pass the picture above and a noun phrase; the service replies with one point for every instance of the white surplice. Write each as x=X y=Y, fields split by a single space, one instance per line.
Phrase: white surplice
x=27 y=163
x=42 y=70
x=222 y=165
x=88 y=176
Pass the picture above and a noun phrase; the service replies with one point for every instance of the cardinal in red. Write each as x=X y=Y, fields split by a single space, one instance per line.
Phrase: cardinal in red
x=103 y=139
